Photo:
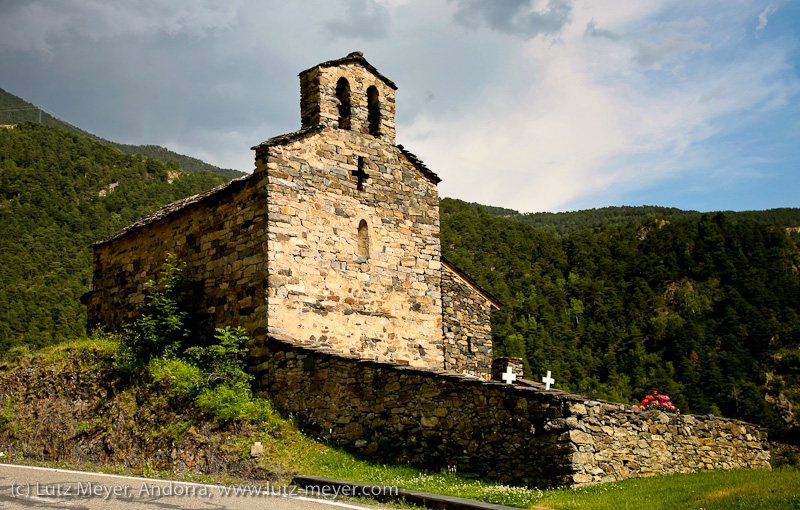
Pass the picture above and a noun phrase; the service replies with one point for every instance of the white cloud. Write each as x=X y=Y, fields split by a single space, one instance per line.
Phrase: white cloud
x=363 y=19
x=625 y=108
x=656 y=43
x=762 y=18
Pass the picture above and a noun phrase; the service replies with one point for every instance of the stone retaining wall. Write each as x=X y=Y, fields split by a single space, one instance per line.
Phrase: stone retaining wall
x=509 y=433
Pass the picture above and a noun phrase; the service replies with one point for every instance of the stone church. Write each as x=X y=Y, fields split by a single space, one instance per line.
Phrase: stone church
x=332 y=241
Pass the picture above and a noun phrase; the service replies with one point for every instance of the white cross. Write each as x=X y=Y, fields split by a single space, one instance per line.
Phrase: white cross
x=548 y=381
x=509 y=376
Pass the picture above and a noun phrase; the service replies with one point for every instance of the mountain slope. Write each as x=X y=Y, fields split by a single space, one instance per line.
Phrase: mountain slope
x=564 y=223
x=706 y=308
x=60 y=192
x=14 y=110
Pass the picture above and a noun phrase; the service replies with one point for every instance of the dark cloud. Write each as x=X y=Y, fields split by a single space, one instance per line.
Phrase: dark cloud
x=516 y=17
x=364 y=19
x=652 y=46
x=593 y=31
x=43 y=26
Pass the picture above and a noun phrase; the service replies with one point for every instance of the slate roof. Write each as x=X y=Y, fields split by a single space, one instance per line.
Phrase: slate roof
x=169 y=209
x=355 y=56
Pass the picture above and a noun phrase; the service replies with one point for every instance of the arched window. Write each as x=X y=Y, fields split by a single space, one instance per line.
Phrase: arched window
x=374 y=107
x=363 y=239
x=343 y=95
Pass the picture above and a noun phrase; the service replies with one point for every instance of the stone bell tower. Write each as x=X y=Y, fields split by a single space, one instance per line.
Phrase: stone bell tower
x=348 y=93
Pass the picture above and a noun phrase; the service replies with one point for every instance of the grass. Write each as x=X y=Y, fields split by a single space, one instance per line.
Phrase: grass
x=334 y=463
x=709 y=490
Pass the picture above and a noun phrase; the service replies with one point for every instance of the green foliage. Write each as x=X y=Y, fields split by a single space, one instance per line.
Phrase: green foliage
x=700 y=308
x=14 y=110
x=184 y=379
x=565 y=223
x=17 y=353
x=230 y=403
x=59 y=193
x=224 y=361
x=212 y=376
x=228 y=394
x=9 y=411
x=185 y=163
x=161 y=327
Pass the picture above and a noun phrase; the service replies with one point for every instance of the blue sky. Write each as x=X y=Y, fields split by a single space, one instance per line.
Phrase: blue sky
x=536 y=105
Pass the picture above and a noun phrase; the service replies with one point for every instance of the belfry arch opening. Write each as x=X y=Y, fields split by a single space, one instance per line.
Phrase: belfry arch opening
x=374 y=110
x=363 y=239
x=345 y=110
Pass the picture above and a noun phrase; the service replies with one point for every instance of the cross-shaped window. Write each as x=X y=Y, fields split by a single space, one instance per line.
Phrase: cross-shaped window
x=360 y=174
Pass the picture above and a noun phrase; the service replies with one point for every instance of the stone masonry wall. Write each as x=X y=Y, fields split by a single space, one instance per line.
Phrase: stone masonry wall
x=467 y=326
x=615 y=442
x=510 y=433
x=379 y=297
x=220 y=235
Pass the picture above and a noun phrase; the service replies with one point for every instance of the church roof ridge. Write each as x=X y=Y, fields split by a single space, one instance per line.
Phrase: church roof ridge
x=356 y=56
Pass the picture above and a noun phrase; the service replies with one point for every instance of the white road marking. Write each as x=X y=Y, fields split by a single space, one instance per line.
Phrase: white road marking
x=156 y=480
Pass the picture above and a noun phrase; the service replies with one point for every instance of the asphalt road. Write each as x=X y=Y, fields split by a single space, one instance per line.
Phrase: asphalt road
x=33 y=487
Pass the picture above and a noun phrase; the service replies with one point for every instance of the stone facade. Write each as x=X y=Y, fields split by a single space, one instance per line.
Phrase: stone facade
x=221 y=235
x=333 y=240
x=467 y=322
x=510 y=433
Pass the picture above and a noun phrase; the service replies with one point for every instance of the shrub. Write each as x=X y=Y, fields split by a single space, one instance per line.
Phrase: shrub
x=185 y=379
x=223 y=361
x=161 y=327
x=228 y=403
x=212 y=376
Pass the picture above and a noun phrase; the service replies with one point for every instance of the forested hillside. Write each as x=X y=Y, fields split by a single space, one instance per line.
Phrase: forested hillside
x=14 y=110
x=706 y=308
x=60 y=192
x=564 y=223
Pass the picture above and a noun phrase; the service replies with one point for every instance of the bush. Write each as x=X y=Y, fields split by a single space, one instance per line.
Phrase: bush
x=212 y=376
x=185 y=379
x=223 y=361
x=18 y=352
x=228 y=403
x=161 y=327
